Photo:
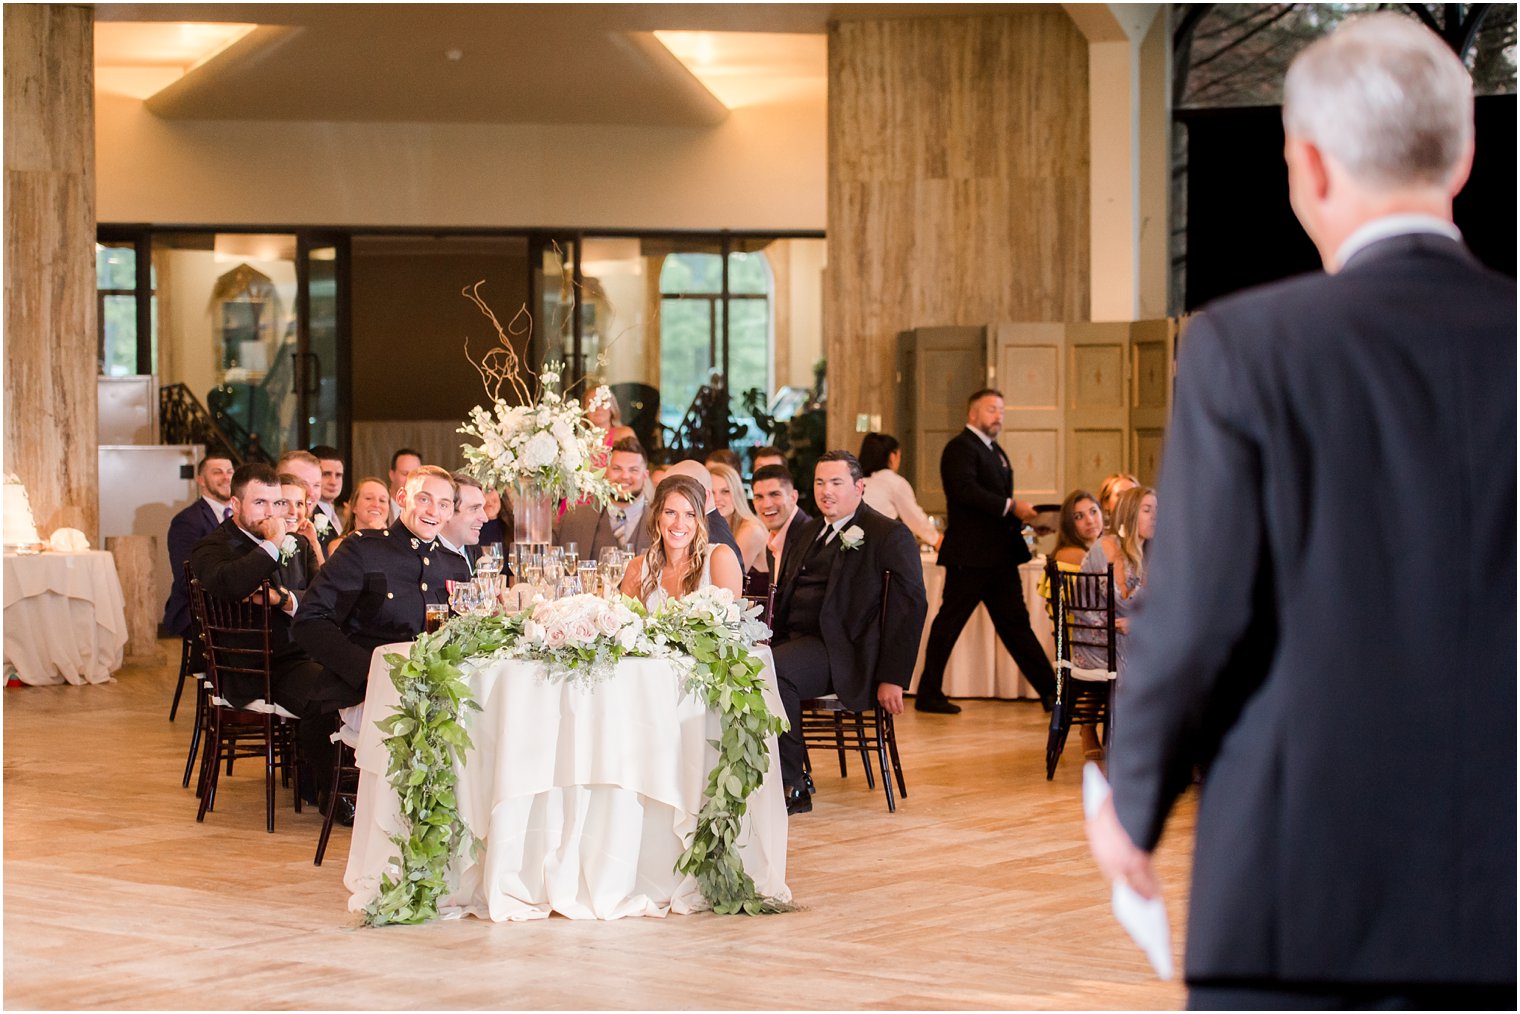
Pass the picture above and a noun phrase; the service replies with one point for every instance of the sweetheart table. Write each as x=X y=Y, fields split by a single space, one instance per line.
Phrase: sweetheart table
x=582 y=798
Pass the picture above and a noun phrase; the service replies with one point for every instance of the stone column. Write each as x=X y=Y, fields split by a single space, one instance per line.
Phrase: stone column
x=51 y=336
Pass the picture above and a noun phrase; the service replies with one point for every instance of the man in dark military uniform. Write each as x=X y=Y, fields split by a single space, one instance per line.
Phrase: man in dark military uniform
x=374 y=590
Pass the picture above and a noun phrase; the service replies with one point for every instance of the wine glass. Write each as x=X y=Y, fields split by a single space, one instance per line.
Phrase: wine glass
x=462 y=597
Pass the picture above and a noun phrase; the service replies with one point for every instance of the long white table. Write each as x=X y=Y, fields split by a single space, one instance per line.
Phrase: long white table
x=65 y=619
x=980 y=666
x=583 y=798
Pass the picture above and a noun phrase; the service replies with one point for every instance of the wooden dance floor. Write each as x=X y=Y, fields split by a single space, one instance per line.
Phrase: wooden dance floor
x=977 y=893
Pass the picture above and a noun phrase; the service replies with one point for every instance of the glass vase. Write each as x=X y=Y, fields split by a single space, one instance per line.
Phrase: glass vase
x=533 y=514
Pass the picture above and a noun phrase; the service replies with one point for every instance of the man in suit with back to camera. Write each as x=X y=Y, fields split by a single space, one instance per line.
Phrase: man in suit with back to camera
x=375 y=590
x=1348 y=692
x=213 y=478
x=981 y=552
x=619 y=525
x=830 y=634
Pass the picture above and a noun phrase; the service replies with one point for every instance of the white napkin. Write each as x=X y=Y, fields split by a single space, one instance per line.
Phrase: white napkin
x=1144 y=920
x=68 y=540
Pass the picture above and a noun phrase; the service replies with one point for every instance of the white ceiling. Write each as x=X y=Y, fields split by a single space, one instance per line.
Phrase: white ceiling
x=517 y=63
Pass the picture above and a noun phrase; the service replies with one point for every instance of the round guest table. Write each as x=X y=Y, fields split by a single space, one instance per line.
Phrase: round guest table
x=980 y=666
x=64 y=617
x=582 y=798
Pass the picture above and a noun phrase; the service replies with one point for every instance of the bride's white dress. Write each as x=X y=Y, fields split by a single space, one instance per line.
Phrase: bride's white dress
x=660 y=596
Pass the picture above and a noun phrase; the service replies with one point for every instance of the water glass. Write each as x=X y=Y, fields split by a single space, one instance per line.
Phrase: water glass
x=462 y=597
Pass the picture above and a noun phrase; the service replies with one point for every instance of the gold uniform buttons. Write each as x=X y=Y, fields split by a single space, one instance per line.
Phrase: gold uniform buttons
x=426 y=562
x=424 y=586
x=390 y=595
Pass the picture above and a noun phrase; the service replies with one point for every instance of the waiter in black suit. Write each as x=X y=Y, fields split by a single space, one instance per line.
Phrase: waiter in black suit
x=981 y=553
x=830 y=634
x=1348 y=691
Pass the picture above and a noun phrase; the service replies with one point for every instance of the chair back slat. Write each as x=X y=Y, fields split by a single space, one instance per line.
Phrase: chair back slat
x=236 y=635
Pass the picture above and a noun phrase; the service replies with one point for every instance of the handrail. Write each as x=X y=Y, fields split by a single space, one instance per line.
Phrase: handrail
x=184 y=420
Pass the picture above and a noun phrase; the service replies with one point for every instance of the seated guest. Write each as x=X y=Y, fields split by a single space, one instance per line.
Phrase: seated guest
x=308 y=470
x=765 y=455
x=717 y=527
x=1108 y=494
x=679 y=559
x=332 y=487
x=1081 y=525
x=231 y=563
x=498 y=526
x=404 y=461
x=776 y=504
x=303 y=564
x=369 y=509
x=830 y=634
x=888 y=493
x=1124 y=547
x=607 y=417
x=461 y=532
x=213 y=477
x=729 y=499
x=375 y=589
x=619 y=525
x=723 y=456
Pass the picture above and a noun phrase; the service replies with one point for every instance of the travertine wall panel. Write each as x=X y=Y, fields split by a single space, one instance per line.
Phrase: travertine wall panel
x=958 y=187
x=50 y=327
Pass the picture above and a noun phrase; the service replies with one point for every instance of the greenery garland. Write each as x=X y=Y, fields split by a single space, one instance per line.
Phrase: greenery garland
x=708 y=635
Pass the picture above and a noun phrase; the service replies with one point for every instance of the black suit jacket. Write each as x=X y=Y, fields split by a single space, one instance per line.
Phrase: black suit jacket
x=231 y=566
x=373 y=590
x=800 y=521
x=978 y=482
x=863 y=652
x=187 y=528
x=1349 y=690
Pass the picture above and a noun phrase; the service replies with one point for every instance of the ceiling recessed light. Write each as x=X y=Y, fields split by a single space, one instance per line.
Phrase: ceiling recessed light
x=453 y=55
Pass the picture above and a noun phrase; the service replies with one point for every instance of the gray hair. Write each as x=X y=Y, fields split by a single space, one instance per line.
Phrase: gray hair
x=1387 y=98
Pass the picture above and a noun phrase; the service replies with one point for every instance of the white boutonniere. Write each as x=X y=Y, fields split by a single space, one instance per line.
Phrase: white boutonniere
x=321 y=522
x=852 y=537
x=287 y=548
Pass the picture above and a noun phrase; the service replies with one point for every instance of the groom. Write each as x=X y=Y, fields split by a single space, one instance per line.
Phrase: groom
x=832 y=634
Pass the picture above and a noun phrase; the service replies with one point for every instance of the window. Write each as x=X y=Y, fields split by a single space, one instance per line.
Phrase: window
x=693 y=350
x=116 y=309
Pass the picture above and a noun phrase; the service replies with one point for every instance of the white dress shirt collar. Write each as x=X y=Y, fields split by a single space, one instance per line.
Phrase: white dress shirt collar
x=1389 y=226
x=219 y=509
x=984 y=438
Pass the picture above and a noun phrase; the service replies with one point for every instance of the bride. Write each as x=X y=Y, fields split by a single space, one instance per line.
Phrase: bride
x=679 y=560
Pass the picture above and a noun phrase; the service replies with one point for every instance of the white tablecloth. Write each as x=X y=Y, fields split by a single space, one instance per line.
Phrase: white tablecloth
x=65 y=621
x=980 y=666
x=583 y=798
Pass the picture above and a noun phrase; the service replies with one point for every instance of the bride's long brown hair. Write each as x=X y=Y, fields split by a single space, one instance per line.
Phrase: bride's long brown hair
x=654 y=557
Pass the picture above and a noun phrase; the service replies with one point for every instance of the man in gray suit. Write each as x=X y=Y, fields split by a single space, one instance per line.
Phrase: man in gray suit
x=1344 y=676
x=621 y=524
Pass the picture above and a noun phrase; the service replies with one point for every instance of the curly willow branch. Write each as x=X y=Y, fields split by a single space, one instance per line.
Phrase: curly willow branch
x=501 y=365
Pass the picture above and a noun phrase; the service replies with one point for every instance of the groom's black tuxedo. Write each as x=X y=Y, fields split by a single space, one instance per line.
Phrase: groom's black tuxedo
x=831 y=634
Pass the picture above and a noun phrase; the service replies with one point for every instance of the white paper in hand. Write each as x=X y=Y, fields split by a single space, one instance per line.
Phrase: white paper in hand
x=1144 y=920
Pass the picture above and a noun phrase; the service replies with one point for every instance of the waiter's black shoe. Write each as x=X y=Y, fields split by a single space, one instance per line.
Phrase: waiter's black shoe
x=937 y=706
x=798 y=800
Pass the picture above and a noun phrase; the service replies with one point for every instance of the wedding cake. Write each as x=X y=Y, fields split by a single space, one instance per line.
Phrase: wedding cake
x=19 y=527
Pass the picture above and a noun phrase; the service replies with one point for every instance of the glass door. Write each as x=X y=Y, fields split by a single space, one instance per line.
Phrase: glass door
x=320 y=375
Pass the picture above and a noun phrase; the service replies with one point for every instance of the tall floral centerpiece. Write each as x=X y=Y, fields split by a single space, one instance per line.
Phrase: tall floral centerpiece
x=532 y=439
